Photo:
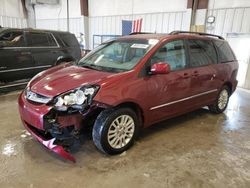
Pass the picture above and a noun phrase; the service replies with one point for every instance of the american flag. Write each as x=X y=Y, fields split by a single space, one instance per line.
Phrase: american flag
x=131 y=26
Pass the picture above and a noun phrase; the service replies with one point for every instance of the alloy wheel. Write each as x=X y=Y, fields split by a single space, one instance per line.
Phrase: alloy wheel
x=121 y=131
x=223 y=99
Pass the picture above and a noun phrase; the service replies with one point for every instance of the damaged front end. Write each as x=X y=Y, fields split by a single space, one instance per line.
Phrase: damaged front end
x=59 y=123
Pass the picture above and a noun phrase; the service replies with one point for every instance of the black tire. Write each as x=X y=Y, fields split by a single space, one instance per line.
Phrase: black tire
x=215 y=108
x=102 y=127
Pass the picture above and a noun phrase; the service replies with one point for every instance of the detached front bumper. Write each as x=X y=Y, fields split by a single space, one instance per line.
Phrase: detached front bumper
x=49 y=143
x=32 y=117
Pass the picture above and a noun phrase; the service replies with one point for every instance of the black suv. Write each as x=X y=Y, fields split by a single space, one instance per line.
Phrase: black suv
x=26 y=52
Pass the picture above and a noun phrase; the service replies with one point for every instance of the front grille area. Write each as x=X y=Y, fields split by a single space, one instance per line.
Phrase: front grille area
x=44 y=135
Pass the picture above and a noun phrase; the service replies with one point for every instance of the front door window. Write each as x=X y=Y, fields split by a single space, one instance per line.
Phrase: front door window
x=172 y=53
x=12 y=39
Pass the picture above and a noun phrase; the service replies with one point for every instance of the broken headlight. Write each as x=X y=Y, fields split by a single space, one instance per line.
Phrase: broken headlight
x=76 y=98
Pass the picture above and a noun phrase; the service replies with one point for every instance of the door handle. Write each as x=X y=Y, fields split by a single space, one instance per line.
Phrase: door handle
x=185 y=76
x=195 y=74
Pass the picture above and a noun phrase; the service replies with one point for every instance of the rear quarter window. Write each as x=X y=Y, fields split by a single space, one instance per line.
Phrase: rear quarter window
x=202 y=52
x=69 y=40
x=40 y=40
x=224 y=51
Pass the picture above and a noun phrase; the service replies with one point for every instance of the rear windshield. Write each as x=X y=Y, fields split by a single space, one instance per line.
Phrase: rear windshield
x=224 y=51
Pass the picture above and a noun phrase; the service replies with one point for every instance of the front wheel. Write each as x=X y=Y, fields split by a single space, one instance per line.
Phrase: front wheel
x=115 y=130
x=221 y=102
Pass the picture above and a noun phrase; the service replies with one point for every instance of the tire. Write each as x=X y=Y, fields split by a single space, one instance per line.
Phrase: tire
x=221 y=102
x=121 y=135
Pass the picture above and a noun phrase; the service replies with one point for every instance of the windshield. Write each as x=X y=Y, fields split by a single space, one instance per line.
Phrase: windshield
x=117 y=56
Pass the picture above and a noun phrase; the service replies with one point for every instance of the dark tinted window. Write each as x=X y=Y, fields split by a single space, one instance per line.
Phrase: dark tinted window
x=69 y=39
x=202 y=52
x=52 y=41
x=40 y=40
x=172 y=53
x=59 y=41
x=12 y=39
x=224 y=51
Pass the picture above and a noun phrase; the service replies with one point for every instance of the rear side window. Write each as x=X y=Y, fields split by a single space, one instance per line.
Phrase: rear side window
x=59 y=41
x=224 y=51
x=12 y=39
x=69 y=40
x=202 y=52
x=172 y=53
x=40 y=40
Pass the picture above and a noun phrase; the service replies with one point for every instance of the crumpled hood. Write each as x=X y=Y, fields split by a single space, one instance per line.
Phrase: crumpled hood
x=62 y=78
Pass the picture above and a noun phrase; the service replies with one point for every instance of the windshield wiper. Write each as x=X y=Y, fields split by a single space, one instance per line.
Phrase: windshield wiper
x=90 y=66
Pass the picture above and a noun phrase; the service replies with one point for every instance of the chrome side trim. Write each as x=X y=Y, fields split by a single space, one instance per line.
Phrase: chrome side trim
x=38 y=67
x=184 y=99
x=55 y=40
x=11 y=85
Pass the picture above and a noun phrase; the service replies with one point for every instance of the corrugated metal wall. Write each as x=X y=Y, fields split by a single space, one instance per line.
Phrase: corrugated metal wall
x=163 y=22
x=15 y=22
x=229 y=20
x=76 y=25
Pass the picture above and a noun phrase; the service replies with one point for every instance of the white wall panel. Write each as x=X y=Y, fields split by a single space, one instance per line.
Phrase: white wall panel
x=245 y=27
x=11 y=14
x=54 y=17
x=13 y=22
x=11 y=8
x=238 y=18
x=75 y=24
x=159 y=22
x=229 y=20
x=217 y=4
x=58 y=11
x=129 y=7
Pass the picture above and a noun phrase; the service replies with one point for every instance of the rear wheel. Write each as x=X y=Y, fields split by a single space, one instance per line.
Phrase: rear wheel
x=221 y=102
x=114 y=130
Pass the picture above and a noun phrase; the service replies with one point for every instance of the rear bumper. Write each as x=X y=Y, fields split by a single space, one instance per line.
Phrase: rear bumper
x=32 y=117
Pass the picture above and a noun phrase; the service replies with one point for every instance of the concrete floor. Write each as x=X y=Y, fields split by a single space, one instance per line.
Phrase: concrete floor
x=195 y=150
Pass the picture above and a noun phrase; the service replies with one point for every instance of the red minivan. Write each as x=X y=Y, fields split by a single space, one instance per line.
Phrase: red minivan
x=126 y=84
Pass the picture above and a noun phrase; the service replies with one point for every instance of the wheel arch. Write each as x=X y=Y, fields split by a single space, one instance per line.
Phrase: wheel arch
x=229 y=85
x=137 y=109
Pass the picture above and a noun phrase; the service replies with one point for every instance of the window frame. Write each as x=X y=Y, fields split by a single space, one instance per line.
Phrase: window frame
x=148 y=63
x=189 y=52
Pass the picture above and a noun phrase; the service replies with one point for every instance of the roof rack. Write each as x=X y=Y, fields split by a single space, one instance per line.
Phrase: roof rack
x=196 y=33
x=137 y=33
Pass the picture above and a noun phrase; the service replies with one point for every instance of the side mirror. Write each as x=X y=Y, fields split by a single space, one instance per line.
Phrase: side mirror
x=160 y=68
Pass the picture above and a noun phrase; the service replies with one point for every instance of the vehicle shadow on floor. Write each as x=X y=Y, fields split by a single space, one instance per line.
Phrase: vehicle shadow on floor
x=86 y=145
